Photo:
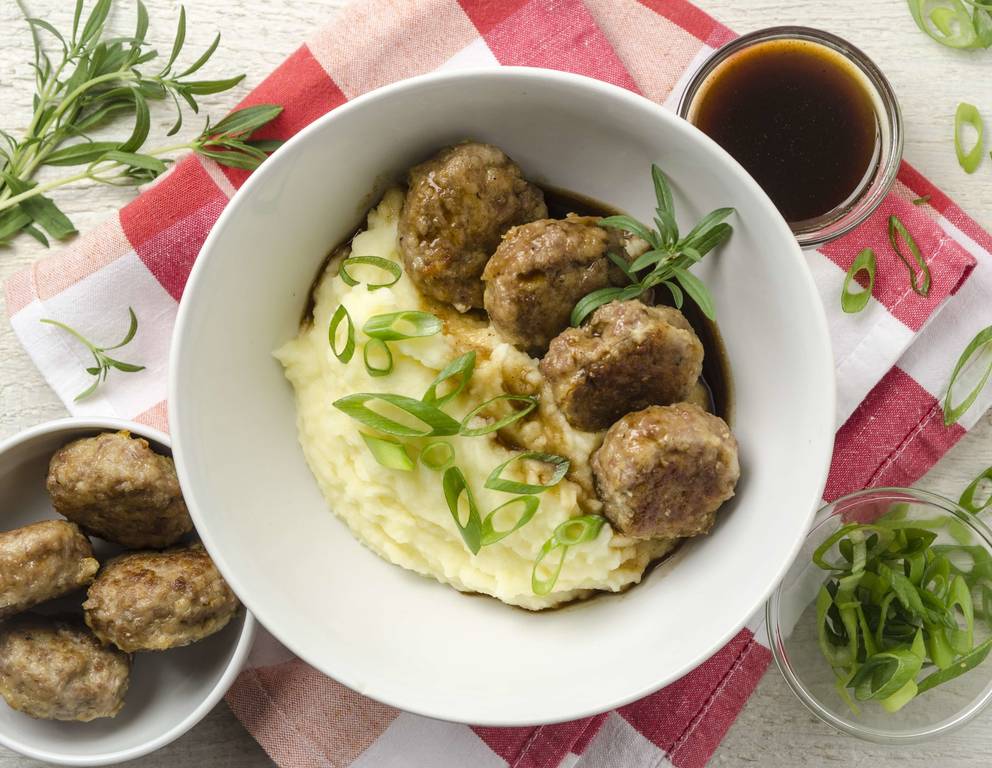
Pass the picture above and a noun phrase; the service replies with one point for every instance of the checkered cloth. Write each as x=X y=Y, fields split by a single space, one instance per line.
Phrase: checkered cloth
x=892 y=359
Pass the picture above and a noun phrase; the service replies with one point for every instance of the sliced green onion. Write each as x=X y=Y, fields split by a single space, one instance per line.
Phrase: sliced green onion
x=852 y=302
x=922 y=200
x=544 y=586
x=332 y=332
x=465 y=430
x=374 y=261
x=961 y=639
x=462 y=367
x=454 y=484
x=978 y=345
x=489 y=533
x=967 y=114
x=946 y=21
x=438 y=423
x=390 y=453
x=373 y=370
x=967 y=500
x=574 y=531
x=965 y=664
x=560 y=464
x=885 y=673
x=898 y=230
x=383 y=327
x=437 y=455
x=578 y=530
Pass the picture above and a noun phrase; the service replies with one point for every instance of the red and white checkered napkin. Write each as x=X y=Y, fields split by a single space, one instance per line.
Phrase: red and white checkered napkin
x=892 y=359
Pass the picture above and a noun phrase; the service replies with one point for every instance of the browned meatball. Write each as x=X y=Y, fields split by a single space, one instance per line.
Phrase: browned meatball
x=541 y=270
x=53 y=668
x=627 y=357
x=151 y=601
x=116 y=487
x=663 y=472
x=42 y=561
x=459 y=204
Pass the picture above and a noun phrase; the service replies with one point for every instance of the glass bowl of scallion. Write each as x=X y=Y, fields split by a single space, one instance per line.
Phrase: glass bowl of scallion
x=883 y=625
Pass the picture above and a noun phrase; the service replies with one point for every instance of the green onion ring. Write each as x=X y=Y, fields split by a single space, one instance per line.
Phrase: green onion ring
x=967 y=114
x=454 y=484
x=489 y=533
x=945 y=16
x=922 y=200
x=852 y=302
x=438 y=422
x=898 y=230
x=578 y=530
x=375 y=261
x=467 y=431
x=462 y=366
x=959 y=597
x=544 y=586
x=332 y=331
x=560 y=463
x=885 y=673
x=389 y=453
x=967 y=500
x=381 y=326
x=953 y=413
x=428 y=459
x=965 y=664
x=373 y=370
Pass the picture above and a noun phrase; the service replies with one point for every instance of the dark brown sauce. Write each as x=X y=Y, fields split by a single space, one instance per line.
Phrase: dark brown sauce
x=716 y=365
x=799 y=118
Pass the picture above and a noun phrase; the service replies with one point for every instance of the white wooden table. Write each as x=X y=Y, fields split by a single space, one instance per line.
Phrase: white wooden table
x=773 y=729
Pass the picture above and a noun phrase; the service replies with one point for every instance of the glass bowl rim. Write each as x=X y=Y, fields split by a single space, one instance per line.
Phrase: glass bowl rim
x=872 y=194
x=799 y=689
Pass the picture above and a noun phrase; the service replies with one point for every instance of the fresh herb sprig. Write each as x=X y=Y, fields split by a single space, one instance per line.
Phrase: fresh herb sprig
x=93 y=79
x=102 y=361
x=669 y=259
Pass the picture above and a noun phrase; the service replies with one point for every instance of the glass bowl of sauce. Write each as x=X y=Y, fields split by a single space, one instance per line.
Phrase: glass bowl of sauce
x=810 y=117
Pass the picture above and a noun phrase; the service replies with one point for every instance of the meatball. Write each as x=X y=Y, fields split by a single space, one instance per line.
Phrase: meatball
x=627 y=357
x=53 y=668
x=151 y=601
x=663 y=472
x=116 y=487
x=541 y=270
x=42 y=561
x=459 y=204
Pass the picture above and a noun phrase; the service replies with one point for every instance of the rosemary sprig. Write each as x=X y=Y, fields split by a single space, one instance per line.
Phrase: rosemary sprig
x=103 y=361
x=91 y=80
x=669 y=259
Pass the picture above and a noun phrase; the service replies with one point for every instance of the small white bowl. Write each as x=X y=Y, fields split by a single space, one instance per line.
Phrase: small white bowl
x=170 y=691
x=387 y=632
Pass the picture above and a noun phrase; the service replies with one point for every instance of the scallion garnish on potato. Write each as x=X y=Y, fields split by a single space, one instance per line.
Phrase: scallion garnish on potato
x=572 y=532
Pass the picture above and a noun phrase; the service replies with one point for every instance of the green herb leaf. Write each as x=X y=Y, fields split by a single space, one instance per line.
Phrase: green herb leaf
x=695 y=288
x=853 y=302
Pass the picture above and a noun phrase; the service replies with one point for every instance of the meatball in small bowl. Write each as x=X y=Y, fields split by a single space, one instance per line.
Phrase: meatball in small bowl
x=67 y=696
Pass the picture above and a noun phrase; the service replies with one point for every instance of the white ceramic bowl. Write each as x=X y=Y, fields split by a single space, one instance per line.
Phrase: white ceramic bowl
x=170 y=691
x=407 y=640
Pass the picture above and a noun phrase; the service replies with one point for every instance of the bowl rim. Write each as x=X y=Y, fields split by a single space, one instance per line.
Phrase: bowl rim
x=800 y=690
x=246 y=636
x=822 y=355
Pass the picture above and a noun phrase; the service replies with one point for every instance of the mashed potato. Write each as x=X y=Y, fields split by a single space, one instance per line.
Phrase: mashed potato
x=403 y=516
